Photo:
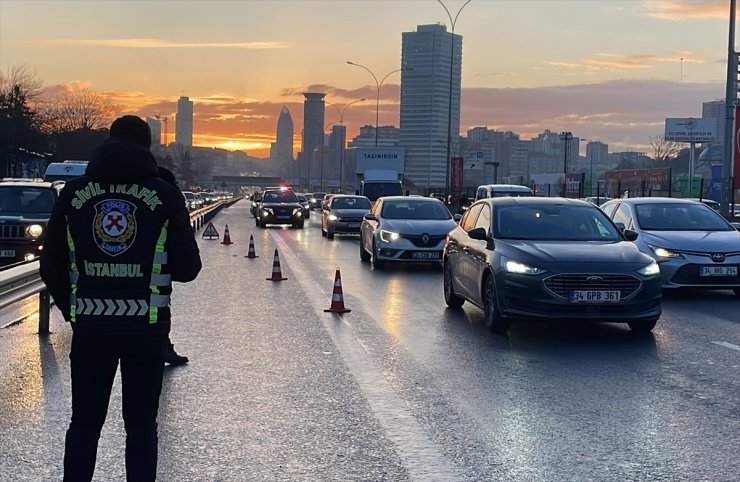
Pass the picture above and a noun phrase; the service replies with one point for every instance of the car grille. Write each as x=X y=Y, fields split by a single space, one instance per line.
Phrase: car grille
x=13 y=231
x=418 y=240
x=562 y=284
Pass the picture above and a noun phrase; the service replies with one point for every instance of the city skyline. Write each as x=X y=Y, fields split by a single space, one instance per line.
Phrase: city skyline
x=609 y=71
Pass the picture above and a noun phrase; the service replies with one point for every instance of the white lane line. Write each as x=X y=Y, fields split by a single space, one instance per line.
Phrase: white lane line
x=727 y=345
x=420 y=455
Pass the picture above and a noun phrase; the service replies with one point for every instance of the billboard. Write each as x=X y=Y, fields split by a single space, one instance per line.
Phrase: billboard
x=689 y=129
x=456 y=174
x=574 y=184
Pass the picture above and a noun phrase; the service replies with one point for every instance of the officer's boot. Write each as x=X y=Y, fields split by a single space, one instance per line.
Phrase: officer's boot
x=172 y=358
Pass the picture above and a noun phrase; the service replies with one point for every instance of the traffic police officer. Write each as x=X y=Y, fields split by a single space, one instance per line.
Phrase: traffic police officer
x=117 y=238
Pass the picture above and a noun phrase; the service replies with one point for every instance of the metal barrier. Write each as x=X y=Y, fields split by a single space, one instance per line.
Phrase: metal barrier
x=23 y=281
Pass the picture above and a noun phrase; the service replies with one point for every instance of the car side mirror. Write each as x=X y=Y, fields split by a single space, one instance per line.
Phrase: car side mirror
x=479 y=234
x=369 y=217
x=630 y=235
x=457 y=217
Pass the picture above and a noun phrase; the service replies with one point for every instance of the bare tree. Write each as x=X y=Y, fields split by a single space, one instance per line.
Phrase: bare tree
x=77 y=109
x=664 y=150
x=20 y=77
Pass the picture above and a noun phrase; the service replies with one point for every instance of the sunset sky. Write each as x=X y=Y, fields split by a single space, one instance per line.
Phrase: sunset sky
x=605 y=70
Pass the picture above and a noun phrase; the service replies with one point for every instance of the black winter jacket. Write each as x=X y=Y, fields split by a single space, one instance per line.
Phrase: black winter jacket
x=117 y=238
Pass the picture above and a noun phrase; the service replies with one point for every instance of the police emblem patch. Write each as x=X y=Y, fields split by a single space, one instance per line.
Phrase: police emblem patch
x=114 y=226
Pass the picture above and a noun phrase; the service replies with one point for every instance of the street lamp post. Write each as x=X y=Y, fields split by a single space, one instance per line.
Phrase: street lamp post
x=378 y=85
x=341 y=148
x=565 y=137
x=449 y=103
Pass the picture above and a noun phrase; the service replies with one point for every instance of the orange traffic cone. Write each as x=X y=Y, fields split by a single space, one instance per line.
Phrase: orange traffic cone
x=276 y=274
x=337 y=298
x=251 y=253
x=227 y=238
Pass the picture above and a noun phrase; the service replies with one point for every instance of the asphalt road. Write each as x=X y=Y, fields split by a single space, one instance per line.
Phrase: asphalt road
x=401 y=388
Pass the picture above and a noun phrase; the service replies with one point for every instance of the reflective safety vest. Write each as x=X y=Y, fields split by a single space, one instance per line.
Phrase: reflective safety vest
x=118 y=264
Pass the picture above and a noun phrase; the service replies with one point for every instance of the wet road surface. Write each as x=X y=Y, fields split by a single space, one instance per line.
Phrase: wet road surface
x=401 y=388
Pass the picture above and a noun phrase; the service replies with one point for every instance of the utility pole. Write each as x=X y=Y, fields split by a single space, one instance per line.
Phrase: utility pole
x=727 y=192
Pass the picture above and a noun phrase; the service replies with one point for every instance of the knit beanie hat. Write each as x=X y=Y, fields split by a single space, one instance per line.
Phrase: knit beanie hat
x=132 y=128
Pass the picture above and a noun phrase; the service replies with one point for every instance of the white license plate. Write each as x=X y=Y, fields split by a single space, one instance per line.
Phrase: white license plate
x=425 y=255
x=718 y=271
x=353 y=225
x=594 y=296
x=7 y=253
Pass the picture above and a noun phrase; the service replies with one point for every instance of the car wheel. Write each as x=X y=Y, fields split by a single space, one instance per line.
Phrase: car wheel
x=492 y=316
x=377 y=264
x=329 y=234
x=452 y=300
x=364 y=255
x=642 y=326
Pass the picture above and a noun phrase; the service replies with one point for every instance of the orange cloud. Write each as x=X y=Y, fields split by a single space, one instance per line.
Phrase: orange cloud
x=149 y=43
x=683 y=10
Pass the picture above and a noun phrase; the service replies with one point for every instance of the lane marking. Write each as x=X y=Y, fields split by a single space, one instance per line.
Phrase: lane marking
x=727 y=345
x=421 y=457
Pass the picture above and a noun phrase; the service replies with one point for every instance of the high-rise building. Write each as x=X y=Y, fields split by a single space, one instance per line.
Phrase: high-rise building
x=313 y=134
x=597 y=151
x=282 y=148
x=715 y=110
x=184 y=122
x=388 y=136
x=156 y=127
x=429 y=114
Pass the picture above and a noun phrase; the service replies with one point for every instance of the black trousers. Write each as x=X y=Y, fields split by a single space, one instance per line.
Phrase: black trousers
x=94 y=362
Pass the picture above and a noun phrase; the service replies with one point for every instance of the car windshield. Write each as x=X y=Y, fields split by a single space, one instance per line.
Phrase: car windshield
x=415 y=210
x=23 y=200
x=679 y=217
x=318 y=195
x=302 y=198
x=280 y=197
x=554 y=223
x=351 y=203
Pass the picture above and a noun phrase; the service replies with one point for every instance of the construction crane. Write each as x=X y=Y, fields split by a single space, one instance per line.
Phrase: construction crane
x=163 y=119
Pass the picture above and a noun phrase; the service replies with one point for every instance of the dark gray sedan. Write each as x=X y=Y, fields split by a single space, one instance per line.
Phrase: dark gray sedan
x=343 y=214
x=549 y=258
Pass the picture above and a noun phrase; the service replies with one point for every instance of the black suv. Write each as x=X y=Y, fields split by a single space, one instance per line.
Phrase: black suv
x=279 y=206
x=25 y=208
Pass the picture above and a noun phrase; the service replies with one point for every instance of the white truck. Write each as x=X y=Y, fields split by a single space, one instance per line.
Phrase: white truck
x=379 y=171
x=63 y=171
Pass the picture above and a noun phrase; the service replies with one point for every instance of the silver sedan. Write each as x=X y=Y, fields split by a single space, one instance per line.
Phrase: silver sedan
x=405 y=228
x=693 y=245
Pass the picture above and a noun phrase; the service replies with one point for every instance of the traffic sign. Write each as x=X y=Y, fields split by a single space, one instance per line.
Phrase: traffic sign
x=210 y=232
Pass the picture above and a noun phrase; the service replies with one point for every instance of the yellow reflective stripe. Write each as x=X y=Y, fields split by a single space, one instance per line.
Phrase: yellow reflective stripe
x=157 y=269
x=74 y=274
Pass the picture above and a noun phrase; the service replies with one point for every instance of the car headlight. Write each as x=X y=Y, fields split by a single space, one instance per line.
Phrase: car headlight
x=298 y=212
x=665 y=253
x=34 y=230
x=267 y=211
x=650 y=270
x=512 y=266
x=388 y=236
x=333 y=217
